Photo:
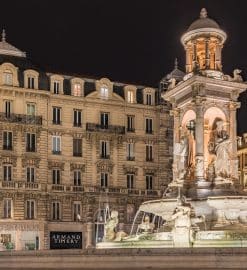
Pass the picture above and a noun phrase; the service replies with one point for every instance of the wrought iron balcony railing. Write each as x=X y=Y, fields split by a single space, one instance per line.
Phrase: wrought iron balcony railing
x=92 y=127
x=21 y=118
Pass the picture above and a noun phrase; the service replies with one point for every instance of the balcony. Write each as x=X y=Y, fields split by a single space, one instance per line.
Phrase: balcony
x=92 y=127
x=8 y=184
x=57 y=187
x=20 y=185
x=76 y=188
x=21 y=118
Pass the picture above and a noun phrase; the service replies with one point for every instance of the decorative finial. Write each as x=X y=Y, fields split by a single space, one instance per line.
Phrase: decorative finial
x=3 y=35
x=176 y=63
x=203 y=13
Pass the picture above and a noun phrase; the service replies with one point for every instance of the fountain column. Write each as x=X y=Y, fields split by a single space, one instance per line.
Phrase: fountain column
x=233 y=106
x=199 y=139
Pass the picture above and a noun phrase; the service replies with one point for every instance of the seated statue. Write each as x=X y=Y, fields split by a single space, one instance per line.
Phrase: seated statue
x=110 y=227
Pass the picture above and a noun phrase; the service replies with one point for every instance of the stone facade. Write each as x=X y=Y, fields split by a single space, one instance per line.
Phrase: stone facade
x=68 y=145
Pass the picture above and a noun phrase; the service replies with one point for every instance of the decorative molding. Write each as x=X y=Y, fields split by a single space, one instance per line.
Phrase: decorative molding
x=8 y=160
x=26 y=161
x=77 y=166
x=130 y=169
x=55 y=164
x=104 y=166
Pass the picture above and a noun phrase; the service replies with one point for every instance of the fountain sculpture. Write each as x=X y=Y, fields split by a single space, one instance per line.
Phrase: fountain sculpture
x=204 y=204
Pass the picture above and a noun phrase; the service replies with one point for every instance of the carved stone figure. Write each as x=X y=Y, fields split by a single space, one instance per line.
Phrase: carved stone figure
x=110 y=227
x=172 y=83
x=236 y=77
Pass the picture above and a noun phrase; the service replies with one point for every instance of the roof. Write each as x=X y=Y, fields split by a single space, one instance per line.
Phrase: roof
x=203 y=22
x=8 y=49
x=176 y=73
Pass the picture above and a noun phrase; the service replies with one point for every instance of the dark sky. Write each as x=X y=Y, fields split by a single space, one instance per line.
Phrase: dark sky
x=125 y=40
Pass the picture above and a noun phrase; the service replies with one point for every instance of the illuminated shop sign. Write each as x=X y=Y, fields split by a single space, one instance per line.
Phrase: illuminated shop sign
x=65 y=240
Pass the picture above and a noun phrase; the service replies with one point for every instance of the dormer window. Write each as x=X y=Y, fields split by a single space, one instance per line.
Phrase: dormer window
x=30 y=82
x=149 y=96
x=56 y=86
x=104 y=91
x=130 y=96
x=77 y=90
x=148 y=99
x=31 y=79
x=8 y=77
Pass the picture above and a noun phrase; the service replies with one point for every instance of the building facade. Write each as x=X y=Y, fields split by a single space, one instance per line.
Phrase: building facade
x=71 y=147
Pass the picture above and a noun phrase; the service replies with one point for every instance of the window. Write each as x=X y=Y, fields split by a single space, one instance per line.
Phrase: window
x=77 y=90
x=56 y=210
x=30 y=209
x=104 y=120
x=77 y=118
x=77 y=147
x=31 y=142
x=7 y=140
x=7 y=108
x=7 y=173
x=8 y=77
x=7 y=208
x=130 y=96
x=56 y=116
x=149 y=99
x=130 y=181
x=149 y=125
x=131 y=123
x=104 y=179
x=245 y=160
x=56 y=87
x=31 y=108
x=130 y=151
x=77 y=178
x=56 y=177
x=30 y=174
x=149 y=181
x=104 y=91
x=56 y=145
x=104 y=149
x=76 y=211
x=30 y=82
x=149 y=152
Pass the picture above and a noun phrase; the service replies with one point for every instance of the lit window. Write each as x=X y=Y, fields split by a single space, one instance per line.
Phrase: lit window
x=56 y=145
x=77 y=89
x=7 y=208
x=30 y=109
x=30 y=209
x=8 y=77
x=130 y=96
x=104 y=92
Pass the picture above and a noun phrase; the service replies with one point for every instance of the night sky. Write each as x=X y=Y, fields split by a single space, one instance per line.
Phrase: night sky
x=132 y=41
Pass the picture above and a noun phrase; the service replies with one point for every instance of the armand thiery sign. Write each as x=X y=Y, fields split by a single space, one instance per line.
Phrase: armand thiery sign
x=65 y=240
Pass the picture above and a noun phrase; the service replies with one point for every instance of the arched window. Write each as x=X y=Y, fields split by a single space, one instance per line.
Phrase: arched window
x=104 y=91
x=8 y=77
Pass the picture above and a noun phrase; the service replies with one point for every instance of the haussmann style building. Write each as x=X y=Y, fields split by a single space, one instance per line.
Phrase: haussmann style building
x=73 y=147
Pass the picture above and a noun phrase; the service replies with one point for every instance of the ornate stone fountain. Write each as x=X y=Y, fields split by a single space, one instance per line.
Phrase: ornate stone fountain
x=204 y=204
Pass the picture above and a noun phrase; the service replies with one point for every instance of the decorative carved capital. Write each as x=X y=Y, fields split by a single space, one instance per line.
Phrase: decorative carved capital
x=55 y=164
x=130 y=169
x=8 y=160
